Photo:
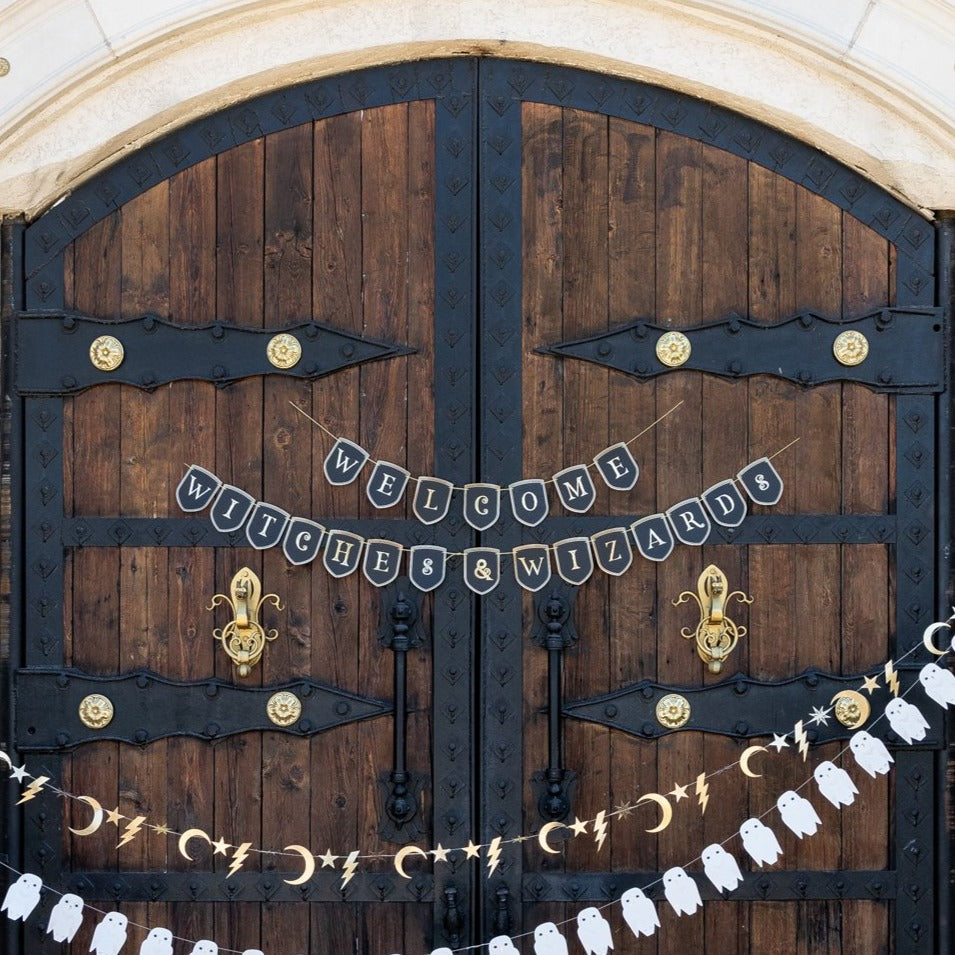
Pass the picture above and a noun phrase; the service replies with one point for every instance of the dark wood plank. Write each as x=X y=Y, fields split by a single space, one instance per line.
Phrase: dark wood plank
x=287 y=474
x=191 y=778
x=240 y=293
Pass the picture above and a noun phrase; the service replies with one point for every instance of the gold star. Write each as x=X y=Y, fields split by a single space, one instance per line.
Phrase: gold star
x=679 y=792
x=220 y=846
x=579 y=827
x=114 y=816
x=162 y=829
x=520 y=839
x=440 y=853
x=471 y=851
x=623 y=810
x=871 y=683
x=328 y=860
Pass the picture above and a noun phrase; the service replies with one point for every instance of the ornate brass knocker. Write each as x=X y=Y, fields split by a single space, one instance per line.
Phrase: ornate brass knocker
x=244 y=638
x=716 y=635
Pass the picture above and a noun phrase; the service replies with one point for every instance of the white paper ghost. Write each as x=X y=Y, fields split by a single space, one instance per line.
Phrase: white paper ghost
x=593 y=930
x=442 y=951
x=798 y=813
x=157 y=942
x=548 y=941
x=939 y=684
x=205 y=947
x=760 y=842
x=502 y=945
x=870 y=753
x=721 y=868
x=66 y=917
x=906 y=719
x=22 y=897
x=835 y=783
x=253 y=951
x=110 y=934
x=639 y=912
x=681 y=891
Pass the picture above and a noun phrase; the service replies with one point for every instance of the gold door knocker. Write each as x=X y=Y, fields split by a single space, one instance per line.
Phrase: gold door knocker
x=244 y=638
x=716 y=635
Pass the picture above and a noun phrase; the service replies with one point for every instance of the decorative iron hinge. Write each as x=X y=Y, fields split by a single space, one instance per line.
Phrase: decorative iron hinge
x=891 y=350
x=63 y=353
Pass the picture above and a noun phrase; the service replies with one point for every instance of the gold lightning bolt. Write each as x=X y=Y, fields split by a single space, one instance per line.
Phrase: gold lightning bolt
x=703 y=791
x=33 y=789
x=801 y=739
x=349 y=866
x=600 y=829
x=891 y=678
x=131 y=830
x=493 y=855
x=238 y=857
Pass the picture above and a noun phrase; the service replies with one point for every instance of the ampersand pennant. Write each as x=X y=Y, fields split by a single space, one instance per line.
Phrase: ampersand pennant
x=482 y=569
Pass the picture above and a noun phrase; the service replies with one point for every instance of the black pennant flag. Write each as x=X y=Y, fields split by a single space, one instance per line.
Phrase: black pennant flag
x=762 y=482
x=431 y=499
x=725 y=503
x=482 y=505
x=612 y=551
x=529 y=501
x=575 y=488
x=231 y=508
x=386 y=484
x=382 y=561
x=344 y=461
x=532 y=566
x=482 y=569
x=266 y=525
x=303 y=538
x=653 y=537
x=689 y=521
x=574 y=560
x=342 y=553
x=617 y=467
x=196 y=489
x=426 y=566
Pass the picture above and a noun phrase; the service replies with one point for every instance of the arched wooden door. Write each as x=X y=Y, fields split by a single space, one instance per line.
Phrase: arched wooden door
x=477 y=258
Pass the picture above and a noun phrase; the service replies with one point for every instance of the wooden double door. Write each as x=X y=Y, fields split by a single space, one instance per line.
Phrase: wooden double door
x=478 y=259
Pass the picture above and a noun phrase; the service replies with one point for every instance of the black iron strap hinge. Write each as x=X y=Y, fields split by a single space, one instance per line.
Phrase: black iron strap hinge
x=66 y=352
x=889 y=350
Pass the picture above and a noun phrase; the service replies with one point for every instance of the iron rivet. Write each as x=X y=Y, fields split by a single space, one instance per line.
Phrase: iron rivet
x=218 y=332
x=610 y=711
x=735 y=367
x=804 y=376
x=140 y=736
x=62 y=681
x=212 y=729
x=96 y=711
x=348 y=350
x=149 y=323
x=62 y=739
x=341 y=708
x=69 y=382
x=218 y=372
x=69 y=323
x=604 y=350
x=649 y=729
x=142 y=681
x=107 y=353
x=311 y=331
x=734 y=327
x=311 y=368
x=885 y=377
x=149 y=379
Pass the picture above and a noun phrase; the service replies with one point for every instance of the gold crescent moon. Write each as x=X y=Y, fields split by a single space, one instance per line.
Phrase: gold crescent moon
x=6 y=759
x=665 y=808
x=97 y=817
x=927 y=635
x=745 y=758
x=849 y=719
x=402 y=855
x=191 y=834
x=309 y=861
x=546 y=830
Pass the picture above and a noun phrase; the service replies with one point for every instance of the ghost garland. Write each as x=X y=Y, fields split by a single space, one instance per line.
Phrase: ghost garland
x=681 y=892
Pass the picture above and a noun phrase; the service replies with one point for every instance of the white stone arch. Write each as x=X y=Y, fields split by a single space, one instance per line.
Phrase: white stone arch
x=870 y=82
